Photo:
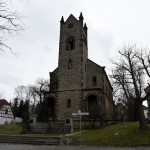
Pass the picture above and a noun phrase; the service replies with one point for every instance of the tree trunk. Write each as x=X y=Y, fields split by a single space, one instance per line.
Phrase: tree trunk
x=141 y=116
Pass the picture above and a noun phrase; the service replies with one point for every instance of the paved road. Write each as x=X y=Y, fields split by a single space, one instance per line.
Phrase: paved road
x=45 y=147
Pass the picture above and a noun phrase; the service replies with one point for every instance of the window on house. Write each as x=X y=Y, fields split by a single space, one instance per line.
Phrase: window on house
x=70 y=25
x=94 y=81
x=6 y=111
x=68 y=103
x=69 y=64
x=70 y=43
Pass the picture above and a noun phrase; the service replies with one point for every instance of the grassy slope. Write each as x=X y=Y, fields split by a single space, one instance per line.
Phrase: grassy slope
x=10 y=129
x=128 y=135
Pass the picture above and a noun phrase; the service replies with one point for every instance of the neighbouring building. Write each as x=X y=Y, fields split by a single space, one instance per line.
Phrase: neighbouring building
x=145 y=111
x=147 y=89
x=6 y=115
x=78 y=83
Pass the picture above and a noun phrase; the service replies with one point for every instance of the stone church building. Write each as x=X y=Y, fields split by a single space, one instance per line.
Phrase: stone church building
x=78 y=83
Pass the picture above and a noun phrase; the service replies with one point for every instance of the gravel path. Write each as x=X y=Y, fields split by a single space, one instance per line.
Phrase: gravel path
x=46 y=147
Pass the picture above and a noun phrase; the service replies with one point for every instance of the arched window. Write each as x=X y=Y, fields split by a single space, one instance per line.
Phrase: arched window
x=70 y=43
x=69 y=64
x=94 y=81
x=92 y=104
x=69 y=103
x=70 y=25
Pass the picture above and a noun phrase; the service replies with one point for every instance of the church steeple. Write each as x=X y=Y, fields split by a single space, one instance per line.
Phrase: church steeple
x=85 y=28
x=62 y=20
x=81 y=17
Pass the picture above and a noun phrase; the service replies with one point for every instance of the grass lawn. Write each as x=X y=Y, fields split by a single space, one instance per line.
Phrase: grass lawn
x=10 y=129
x=123 y=134
x=16 y=129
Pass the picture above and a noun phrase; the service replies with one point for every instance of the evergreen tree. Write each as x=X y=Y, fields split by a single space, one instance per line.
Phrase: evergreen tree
x=20 y=109
x=15 y=107
x=25 y=114
x=43 y=114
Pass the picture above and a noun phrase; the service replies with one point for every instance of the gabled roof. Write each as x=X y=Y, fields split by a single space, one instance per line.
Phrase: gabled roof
x=95 y=63
x=71 y=17
x=3 y=102
x=103 y=68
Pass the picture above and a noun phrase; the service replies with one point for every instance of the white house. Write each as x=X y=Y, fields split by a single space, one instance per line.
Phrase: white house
x=6 y=115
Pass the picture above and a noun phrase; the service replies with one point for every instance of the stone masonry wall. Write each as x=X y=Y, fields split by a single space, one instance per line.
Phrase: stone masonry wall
x=70 y=80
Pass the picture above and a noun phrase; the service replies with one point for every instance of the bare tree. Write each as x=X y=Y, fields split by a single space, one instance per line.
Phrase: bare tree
x=1 y=94
x=94 y=116
x=144 y=58
x=129 y=74
x=10 y=23
x=34 y=94
x=41 y=86
x=32 y=97
x=20 y=92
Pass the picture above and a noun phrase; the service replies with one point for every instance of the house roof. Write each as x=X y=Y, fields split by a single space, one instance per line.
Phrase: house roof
x=3 y=102
x=145 y=107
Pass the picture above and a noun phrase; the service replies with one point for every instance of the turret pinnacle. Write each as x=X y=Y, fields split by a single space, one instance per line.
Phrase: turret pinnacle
x=81 y=16
x=62 y=20
x=85 y=26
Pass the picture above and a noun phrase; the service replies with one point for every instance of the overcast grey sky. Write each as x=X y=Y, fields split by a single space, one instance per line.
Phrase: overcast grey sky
x=111 y=24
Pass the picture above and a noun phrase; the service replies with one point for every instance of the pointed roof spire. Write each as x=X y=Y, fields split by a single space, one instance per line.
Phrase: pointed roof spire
x=62 y=20
x=85 y=26
x=81 y=16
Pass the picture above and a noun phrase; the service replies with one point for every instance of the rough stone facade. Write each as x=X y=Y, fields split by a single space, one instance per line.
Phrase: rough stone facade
x=77 y=83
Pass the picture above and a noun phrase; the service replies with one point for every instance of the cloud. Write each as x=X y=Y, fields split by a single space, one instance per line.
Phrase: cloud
x=110 y=25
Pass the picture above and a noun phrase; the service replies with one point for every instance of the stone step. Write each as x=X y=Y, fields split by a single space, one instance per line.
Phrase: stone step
x=40 y=127
x=58 y=129
x=42 y=140
x=58 y=123
x=59 y=126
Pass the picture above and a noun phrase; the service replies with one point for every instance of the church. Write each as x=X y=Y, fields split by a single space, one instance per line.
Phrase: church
x=78 y=83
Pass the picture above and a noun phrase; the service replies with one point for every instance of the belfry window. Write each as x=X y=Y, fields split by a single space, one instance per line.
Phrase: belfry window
x=94 y=81
x=70 y=25
x=70 y=43
x=69 y=103
x=69 y=64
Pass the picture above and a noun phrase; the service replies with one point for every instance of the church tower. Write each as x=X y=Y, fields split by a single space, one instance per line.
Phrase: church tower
x=72 y=64
x=77 y=83
x=72 y=53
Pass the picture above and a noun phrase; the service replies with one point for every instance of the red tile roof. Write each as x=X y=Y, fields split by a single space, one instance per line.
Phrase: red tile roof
x=3 y=102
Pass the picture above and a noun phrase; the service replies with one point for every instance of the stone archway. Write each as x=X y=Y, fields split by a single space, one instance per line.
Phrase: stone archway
x=51 y=107
x=94 y=110
x=92 y=103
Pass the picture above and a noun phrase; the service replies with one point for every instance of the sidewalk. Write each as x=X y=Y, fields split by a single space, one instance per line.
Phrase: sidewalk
x=47 y=147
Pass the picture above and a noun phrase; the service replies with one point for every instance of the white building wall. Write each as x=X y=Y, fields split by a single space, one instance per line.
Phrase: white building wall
x=6 y=116
x=6 y=120
x=18 y=120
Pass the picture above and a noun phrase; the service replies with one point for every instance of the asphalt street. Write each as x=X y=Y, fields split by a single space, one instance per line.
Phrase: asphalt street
x=47 y=147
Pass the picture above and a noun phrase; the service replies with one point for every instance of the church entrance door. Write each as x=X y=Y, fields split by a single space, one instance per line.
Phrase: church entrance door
x=92 y=103
x=51 y=106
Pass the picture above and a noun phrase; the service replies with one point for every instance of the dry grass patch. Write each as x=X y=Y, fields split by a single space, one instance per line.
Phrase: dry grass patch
x=123 y=134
